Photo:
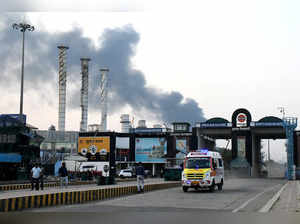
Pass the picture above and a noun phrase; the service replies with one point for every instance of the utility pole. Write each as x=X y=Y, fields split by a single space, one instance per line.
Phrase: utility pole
x=22 y=27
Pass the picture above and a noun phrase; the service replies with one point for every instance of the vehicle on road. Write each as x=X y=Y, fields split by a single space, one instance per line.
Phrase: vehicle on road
x=203 y=169
x=126 y=173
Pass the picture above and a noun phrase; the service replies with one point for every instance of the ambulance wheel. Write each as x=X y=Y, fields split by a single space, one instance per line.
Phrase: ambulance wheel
x=185 y=189
x=212 y=187
x=220 y=186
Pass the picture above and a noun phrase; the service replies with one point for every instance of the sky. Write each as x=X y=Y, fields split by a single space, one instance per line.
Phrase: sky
x=168 y=60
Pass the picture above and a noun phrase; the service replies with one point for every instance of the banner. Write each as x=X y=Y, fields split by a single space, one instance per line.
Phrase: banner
x=95 y=148
x=150 y=150
x=181 y=148
x=122 y=149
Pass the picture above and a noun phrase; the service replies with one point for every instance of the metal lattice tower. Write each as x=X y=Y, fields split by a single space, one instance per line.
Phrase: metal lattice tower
x=84 y=93
x=103 y=97
x=290 y=123
x=62 y=83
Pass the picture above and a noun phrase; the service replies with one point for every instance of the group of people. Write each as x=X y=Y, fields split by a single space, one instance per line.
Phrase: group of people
x=37 y=176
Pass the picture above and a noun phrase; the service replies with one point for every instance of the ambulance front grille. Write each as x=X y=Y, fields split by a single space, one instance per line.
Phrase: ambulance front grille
x=195 y=176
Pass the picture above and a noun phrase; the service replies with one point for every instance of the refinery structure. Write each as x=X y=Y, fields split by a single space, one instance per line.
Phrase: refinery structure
x=156 y=147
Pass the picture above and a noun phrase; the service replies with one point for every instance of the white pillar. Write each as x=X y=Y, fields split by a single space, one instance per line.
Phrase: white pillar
x=153 y=169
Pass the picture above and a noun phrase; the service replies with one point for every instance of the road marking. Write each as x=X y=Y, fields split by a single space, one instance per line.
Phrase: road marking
x=272 y=201
x=252 y=199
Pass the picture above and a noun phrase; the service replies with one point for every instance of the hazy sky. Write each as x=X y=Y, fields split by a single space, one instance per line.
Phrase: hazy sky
x=202 y=59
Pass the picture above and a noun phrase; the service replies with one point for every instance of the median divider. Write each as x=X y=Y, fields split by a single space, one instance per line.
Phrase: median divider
x=76 y=197
x=12 y=187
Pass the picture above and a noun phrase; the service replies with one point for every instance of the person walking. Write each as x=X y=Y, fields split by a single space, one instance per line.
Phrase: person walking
x=140 y=174
x=35 y=176
x=63 y=173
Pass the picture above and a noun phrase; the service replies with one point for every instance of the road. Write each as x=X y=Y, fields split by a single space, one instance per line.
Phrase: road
x=238 y=195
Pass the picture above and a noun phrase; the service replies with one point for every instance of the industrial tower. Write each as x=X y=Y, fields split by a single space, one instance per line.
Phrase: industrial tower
x=62 y=82
x=103 y=97
x=84 y=93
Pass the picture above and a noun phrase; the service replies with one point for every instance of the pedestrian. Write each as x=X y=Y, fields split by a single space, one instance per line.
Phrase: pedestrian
x=63 y=173
x=140 y=174
x=41 y=176
x=35 y=176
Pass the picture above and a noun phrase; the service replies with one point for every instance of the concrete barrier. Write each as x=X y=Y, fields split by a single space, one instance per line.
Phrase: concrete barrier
x=13 y=187
x=75 y=197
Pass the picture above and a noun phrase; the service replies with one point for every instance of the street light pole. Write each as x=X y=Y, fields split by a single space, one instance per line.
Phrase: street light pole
x=22 y=27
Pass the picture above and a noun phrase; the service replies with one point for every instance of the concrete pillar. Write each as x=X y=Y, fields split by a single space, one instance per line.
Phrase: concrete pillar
x=254 y=168
x=201 y=142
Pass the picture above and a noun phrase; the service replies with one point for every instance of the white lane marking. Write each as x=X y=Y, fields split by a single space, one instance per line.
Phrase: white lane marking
x=271 y=202
x=252 y=199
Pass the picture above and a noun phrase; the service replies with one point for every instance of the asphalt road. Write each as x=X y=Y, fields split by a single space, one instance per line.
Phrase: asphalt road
x=238 y=195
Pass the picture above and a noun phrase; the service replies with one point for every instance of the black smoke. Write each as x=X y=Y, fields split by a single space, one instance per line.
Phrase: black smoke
x=127 y=85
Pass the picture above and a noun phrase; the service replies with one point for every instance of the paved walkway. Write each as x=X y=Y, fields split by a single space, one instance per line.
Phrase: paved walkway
x=289 y=200
x=28 y=192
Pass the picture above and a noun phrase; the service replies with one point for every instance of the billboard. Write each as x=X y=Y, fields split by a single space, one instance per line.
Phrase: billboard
x=94 y=148
x=150 y=150
x=181 y=148
x=122 y=149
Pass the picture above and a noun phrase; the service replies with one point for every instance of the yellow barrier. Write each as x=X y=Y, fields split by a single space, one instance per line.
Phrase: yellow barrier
x=64 y=198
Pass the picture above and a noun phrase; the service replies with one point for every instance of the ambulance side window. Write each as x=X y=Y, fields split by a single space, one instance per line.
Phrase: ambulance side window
x=220 y=163
x=215 y=165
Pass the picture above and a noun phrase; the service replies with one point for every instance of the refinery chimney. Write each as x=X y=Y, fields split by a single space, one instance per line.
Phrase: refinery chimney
x=103 y=97
x=84 y=93
x=125 y=123
x=62 y=82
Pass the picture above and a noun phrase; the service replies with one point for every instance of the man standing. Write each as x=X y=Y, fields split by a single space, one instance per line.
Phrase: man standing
x=140 y=173
x=41 y=176
x=63 y=173
x=35 y=176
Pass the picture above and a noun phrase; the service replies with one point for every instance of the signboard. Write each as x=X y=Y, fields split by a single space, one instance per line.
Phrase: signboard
x=122 y=149
x=181 y=148
x=241 y=120
x=215 y=125
x=150 y=149
x=268 y=124
x=95 y=148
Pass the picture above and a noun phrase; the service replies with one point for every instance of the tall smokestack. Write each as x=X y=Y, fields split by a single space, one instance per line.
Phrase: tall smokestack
x=103 y=97
x=84 y=93
x=62 y=82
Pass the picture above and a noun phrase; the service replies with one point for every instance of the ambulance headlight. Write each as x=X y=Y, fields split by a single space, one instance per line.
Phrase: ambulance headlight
x=207 y=175
x=183 y=176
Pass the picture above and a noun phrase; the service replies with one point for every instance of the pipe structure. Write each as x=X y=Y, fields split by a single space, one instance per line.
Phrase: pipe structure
x=84 y=93
x=62 y=83
x=103 y=97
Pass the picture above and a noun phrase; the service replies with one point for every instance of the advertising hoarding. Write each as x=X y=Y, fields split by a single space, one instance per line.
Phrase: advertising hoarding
x=181 y=148
x=150 y=150
x=122 y=149
x=95 y=148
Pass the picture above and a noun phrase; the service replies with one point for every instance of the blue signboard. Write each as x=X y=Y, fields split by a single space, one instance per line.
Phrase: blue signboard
x=10 y=158
x=215 y=125
x=150 y=150
x=16 y=116
x=268 y=124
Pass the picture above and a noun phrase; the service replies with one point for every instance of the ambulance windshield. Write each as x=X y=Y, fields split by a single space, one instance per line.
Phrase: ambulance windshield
x=198 y=163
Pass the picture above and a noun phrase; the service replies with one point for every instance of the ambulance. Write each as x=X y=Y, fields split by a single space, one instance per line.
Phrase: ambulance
x=203 y=169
